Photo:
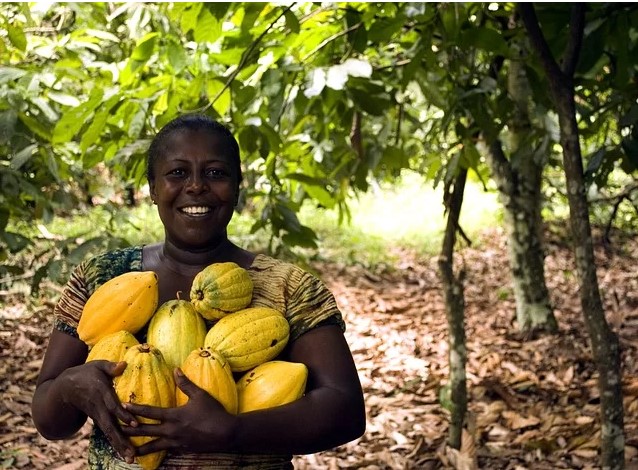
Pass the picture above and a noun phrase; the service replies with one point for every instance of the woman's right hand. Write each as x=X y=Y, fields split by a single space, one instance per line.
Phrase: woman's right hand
x=89 y=388
x=69 y=390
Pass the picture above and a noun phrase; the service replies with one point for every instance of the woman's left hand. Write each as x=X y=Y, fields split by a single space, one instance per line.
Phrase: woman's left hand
x=184 y=428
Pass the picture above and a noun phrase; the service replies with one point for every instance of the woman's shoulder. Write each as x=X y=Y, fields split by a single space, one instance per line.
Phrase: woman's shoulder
x=272 y=271
x=266 y=263
x=104 y=266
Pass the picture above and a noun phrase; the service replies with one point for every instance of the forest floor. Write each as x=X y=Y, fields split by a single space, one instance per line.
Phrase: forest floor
x=533 y=402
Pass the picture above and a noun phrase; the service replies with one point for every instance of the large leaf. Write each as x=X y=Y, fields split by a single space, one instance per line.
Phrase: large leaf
x=75 y=118
x=145 y=47
x=485 y=38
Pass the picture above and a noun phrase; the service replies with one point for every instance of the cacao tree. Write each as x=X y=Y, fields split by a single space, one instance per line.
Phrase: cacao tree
x=560 y=69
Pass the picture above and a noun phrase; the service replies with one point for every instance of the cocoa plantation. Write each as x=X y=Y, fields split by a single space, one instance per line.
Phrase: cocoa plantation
x=462 y=176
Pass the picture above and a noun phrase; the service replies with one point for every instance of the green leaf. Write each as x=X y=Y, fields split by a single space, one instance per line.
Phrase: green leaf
x=73 y=120
x=595 y=161
x=23 y=156
x=79 y=253
x=229 y=56
x=145 y=47
x=223 y=101
x=289 y=217
x=137 y=122
x=471 y=156
x=188 y=20
x=305 y=237
x=208 y=29
x=315 y=187
x=8 y=121
x=176 y=56
x=14 y=241
x=35 y=126
x=8 y=74
x=384 y=29
x=485 y=38
x=98 y=123
x=17 y=37
x=292 y=22
x=377 y=105
x=63 y=98
x=4 y=218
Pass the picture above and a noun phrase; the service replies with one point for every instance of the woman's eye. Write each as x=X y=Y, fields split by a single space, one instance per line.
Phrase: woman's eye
x=215 y=173
x=176 y=172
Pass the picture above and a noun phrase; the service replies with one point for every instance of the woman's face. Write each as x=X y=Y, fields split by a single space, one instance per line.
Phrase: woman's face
x=195 y=189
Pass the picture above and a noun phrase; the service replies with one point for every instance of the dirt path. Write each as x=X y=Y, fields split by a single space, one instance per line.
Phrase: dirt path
x=533 y=403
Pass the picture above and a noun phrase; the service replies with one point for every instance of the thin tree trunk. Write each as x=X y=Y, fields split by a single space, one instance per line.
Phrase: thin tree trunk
x=603 y=340
x=518 y=180
x=455 y=311
x=520 y=196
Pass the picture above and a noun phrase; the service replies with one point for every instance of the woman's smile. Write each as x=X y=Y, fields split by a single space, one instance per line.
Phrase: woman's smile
x=196 y=211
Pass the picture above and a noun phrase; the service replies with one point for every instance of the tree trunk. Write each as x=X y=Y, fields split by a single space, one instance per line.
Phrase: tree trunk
x=455 y=311
x=520 y=196
x=603 y=340
x=519 y=183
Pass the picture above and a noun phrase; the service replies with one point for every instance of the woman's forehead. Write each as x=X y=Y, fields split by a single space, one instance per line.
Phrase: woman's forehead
x=196 y=137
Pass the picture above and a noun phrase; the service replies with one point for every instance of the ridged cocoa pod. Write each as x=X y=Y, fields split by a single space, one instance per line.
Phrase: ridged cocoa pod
x=112 y=347
x=249 y=337
x=147 y=380
x=210 y=371
x=126 y=302
x=221 y=288
x=176 y=329
x=271 y=384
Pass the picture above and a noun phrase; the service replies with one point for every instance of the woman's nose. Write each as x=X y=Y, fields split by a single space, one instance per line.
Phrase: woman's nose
x=196 y=183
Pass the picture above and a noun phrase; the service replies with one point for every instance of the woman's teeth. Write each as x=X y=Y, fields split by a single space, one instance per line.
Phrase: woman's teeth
x=196 y=210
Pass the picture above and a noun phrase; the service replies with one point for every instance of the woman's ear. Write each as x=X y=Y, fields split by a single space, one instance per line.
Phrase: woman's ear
x=151 y=187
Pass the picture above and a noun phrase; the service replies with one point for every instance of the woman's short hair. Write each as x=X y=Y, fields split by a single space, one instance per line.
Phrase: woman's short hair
x=192 y=122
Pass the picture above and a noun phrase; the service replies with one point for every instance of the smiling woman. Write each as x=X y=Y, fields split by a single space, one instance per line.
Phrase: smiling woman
x=194 y=178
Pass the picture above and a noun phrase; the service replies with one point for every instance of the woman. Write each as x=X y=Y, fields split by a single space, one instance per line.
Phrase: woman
x=194 y=176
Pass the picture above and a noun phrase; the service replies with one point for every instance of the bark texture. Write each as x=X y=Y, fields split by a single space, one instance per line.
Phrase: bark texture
x=604 y=341
x=455 y=311
x=518 y=179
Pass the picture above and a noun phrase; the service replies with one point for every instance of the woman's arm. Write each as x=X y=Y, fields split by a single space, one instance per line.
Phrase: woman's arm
x=68 y=391
x=331 y=412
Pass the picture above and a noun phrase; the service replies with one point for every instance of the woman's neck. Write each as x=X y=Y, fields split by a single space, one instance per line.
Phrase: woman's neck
x=188 y=262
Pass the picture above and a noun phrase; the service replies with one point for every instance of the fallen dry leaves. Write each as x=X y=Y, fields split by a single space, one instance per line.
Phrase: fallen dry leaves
x=533 y=402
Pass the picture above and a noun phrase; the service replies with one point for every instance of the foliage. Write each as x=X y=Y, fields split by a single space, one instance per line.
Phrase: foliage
x=323 y=98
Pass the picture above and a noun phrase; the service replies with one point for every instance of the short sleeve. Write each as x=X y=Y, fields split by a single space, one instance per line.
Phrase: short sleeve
x=68 y=310
x=86 y=278
x=310 y=304
x=302 y=297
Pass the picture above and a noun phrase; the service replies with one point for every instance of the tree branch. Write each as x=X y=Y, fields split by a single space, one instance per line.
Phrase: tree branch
x=530 y=20
x=245 y=56
x=327 y=41
x=576 y=31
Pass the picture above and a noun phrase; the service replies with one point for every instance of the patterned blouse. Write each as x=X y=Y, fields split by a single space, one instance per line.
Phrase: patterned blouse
x=304 y=299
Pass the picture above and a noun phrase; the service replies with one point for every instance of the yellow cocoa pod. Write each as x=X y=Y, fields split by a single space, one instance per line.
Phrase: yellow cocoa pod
x=147 y=380
x=176 y=329
x=126 y=302
x=271 y=384
x=210 y=371
x=112 y=347
x=221 y=288
x=249 y=337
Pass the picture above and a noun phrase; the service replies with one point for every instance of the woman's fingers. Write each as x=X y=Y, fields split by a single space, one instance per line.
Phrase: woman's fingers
x=115 y=436
x=185 y=384
x=145 y=411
